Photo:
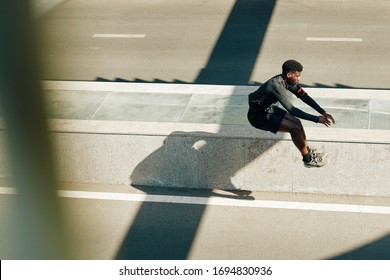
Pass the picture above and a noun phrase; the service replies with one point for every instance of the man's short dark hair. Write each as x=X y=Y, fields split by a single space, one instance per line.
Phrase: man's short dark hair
x=291 y=66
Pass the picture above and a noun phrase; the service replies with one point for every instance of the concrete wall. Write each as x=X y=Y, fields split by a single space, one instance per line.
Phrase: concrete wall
x=213 y=156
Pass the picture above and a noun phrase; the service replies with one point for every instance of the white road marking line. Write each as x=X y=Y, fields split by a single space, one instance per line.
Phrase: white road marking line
x=6 y=190
x=128 y=36
x=333 y=39
x=218 y=201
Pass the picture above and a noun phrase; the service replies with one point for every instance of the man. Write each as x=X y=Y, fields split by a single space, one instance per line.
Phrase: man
x=265 y=115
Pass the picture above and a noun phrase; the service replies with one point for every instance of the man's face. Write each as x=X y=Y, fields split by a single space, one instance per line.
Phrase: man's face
x=293 y=78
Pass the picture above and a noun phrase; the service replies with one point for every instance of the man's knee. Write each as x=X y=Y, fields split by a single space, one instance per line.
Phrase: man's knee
x=291 y=126
x=295 y=128
x=299 y=123
x=296 y=121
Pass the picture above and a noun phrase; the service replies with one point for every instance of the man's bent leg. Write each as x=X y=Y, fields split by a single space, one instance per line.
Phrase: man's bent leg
x=297 y=133
x=298 y=122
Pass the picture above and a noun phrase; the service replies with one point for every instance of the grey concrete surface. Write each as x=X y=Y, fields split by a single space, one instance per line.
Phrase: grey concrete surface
x=234 y=42
x=119 y=229
x=204 y=160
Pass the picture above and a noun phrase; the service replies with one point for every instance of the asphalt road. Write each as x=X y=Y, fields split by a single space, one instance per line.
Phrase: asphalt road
x=119 y=222
x=340 y=43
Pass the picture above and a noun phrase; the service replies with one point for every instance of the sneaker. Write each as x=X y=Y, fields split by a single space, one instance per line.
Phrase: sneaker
x=315 y=152
x=316 y=161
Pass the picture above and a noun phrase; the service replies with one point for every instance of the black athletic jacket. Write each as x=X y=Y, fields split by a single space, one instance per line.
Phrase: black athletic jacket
x=274 y=90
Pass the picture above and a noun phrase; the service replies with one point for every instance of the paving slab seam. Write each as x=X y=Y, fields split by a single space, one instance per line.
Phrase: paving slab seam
x=334 y=93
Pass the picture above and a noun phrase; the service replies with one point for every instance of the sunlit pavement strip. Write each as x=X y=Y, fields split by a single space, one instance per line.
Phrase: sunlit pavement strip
x=217 y=201
x=4 y=190
x=128 y=36
x=333 y=39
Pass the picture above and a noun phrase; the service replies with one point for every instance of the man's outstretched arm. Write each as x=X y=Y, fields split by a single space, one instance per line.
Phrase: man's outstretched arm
x=282 y=96
x=326 y=119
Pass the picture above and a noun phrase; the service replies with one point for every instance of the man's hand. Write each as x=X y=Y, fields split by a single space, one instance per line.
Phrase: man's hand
x=326 y=119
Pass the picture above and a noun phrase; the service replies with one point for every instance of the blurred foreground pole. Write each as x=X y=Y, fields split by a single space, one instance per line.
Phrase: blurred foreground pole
x=38 y=231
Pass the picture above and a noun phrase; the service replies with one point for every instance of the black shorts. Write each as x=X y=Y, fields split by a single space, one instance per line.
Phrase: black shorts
x=270 y=119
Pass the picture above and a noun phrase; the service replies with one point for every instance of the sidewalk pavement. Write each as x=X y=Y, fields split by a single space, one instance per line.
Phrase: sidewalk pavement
x=202 y=104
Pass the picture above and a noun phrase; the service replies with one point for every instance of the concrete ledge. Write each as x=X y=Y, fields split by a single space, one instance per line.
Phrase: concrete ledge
x=214 y=156
x=320 y=134
x=191 y=155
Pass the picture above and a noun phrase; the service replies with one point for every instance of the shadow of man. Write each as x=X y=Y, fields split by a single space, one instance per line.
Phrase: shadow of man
x=187 y=160
x=200 y=160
